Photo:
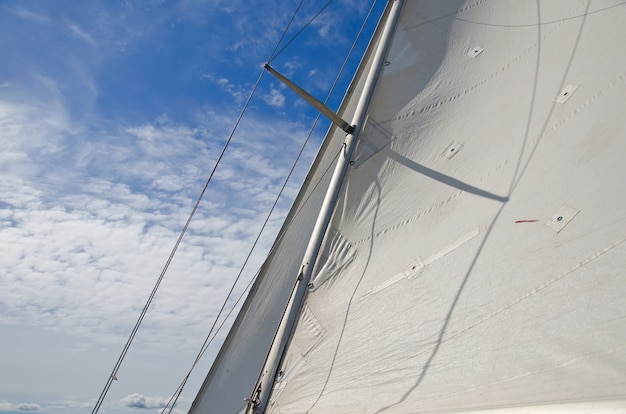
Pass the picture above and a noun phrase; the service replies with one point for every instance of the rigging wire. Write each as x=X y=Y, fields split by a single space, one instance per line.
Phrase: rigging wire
x=332 y=89
x=113 y=375
x=213 y=332
x=275 y=53
x=282 y=36
x=211 y=336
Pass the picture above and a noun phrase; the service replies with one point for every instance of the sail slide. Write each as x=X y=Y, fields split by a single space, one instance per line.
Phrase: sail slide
x=476 y=260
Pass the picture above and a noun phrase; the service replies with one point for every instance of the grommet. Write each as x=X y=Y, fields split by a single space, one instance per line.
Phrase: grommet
x=565 y=94
x=561 y=218
x=452 y=149
x=475 y=51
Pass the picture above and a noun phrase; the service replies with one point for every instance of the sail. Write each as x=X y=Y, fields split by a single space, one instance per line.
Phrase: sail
x=236 y=369
x=475 y=260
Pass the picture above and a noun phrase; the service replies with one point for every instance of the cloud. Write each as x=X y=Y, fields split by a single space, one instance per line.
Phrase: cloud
x=25 y=407
x=105 y=150
x=292 y=66
x=237 y=91
x=87 y=224
x=29 y=407
x=141 y=401
x=29 y=15
x=275 y=98
x=76 y=30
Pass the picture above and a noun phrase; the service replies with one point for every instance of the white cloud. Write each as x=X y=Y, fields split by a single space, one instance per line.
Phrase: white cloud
x=70 y=403
x=91 y=202
x=32 y=16
x=24 y=407
x=237 y=91
x=323 y=27
x=28 y=407
x=171 y=183
x=141 y=401
x=275 y=98
x=81 y=33
x=84 y=233
x=292 y=66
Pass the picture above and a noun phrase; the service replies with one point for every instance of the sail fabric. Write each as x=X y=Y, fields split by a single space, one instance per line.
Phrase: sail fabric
x=235 y=371
x=477 y=257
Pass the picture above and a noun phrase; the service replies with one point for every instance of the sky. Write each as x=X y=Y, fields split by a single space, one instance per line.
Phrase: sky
x=112 y=116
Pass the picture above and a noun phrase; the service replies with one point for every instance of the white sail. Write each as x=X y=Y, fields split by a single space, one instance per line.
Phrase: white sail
x=476 y=258
x=236 y=369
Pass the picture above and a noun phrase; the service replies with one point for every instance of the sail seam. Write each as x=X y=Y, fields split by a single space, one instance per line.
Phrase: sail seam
x=480 y=83
x=539 y=288
x=582 y=106
x=420 y=264
x=493 y=314
x=574 y=16
x=548 y=131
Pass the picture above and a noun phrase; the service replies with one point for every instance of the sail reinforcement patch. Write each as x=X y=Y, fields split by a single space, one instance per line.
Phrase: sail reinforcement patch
x=475 y=51
x=452 y=149
x=565 y=94
x=561 y=218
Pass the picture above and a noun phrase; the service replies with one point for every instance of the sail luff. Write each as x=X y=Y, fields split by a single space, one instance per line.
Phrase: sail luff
x=285 y=330
x=236 y=367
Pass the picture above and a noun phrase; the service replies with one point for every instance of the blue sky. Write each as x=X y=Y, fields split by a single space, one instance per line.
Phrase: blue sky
x=112 y=114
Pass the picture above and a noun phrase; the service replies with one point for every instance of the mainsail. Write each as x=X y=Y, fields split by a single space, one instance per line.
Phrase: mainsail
x=475 y=259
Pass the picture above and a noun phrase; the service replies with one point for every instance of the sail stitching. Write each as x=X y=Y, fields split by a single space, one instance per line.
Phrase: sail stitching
x=420 y=264
x=431 y=208
x=434 y=206
x=565 y=363
x=457 y=334
x=466 y=91
x=571 y=17
x=482 y=82
x=540 y=288
x=582 y=106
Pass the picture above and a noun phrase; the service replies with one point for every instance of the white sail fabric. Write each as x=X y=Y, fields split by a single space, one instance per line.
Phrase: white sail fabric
x=477 y=258
x=236 y=369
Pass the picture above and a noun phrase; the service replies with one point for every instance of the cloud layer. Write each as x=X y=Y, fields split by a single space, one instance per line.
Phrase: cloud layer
x=111 y=118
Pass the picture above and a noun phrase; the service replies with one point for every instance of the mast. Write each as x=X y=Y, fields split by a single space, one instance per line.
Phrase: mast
x=261 y=395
